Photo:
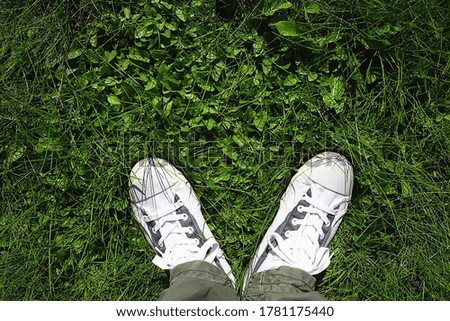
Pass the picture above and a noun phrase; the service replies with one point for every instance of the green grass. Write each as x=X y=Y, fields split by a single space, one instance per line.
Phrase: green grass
x=238 y=97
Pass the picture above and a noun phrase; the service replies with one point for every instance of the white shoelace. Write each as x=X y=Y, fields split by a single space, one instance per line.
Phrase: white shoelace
x=301 y=248
x=179 y=247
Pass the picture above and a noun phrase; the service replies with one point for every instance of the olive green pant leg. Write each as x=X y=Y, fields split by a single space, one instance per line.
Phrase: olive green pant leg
x=198 y=281
x=282 y=284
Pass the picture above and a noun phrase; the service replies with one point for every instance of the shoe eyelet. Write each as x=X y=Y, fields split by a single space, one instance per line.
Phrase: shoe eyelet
x=287 y=233
x=327 y=224
x=185 y=217
x=160 y=244
x=191 y=230
x=299 y=208
x=197 y=242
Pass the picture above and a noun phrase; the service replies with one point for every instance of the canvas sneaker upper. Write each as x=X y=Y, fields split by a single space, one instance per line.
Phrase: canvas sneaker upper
x=169 y=215
x=310 y=212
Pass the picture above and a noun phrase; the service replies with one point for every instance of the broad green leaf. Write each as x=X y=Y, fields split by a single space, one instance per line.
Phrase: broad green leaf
x=59 y=181
x=440 y=118
x=300 y=138
x=210 y=124
x=206 y=86
x=287 y=28
x=110 y=55
x=127 y=12
x=312 y=76
x=217 y=71
x=407 y=190
x=167 y=33
x=261 y=120
x=123 y=64
x=93 y=40
x=139 y=55
x=142 y=32
x=275 y=6
x=195 y=122
x=92 y=56
x=150 y=84
x=180 y=14
x=114 y=100
x=385 y=29
x=159 y=54
x=266 y=65
x=312 y=8
x=15 y=153
x=167 y=109
x=290 y=80
x=167 y=5
x=48 y=144
x=337 y=88
x=328 y=100
x=74 y=53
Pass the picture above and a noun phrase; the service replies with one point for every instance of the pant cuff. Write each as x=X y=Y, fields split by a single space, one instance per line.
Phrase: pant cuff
x=200 y=270
x=283 y=283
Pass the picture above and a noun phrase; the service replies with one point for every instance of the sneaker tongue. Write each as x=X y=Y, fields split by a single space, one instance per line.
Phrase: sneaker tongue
x=303 y=246
x=326 y=199
x=160 y=205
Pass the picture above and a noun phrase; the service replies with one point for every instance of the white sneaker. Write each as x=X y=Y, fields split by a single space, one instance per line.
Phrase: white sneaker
x=168 y=213
x=310 y=212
